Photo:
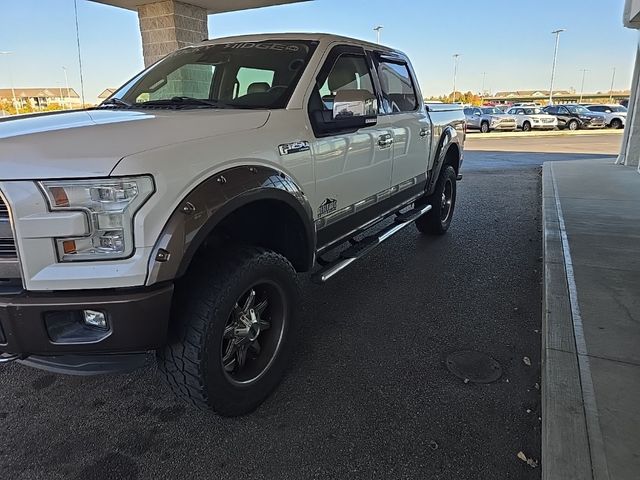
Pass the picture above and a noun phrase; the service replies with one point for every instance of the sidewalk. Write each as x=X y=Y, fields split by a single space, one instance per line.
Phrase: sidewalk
x=591 y=321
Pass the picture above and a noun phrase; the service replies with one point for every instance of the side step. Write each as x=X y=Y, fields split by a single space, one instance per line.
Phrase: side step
x=361 y=248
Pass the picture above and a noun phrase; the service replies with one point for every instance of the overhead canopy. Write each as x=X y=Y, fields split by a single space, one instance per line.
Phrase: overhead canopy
x=212 y=6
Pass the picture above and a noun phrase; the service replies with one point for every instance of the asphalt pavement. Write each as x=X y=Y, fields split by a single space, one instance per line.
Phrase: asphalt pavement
x=368 y=394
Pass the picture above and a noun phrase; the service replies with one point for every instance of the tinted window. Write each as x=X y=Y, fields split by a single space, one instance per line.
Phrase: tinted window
x=468 y=111
x=596 y=108
x=397 y=87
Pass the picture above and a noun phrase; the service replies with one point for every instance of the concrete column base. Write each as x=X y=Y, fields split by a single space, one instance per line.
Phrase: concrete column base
x=169 y=25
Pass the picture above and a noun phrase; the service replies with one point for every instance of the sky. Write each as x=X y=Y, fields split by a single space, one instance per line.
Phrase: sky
x=510 y=41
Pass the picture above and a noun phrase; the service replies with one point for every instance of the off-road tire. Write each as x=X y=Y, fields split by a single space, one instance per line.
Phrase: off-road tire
x=432 y=222
x=484 y=127
x=191 y=361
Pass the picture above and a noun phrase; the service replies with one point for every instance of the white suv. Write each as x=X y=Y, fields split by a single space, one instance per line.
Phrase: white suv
x=615 y=116
x=533 y=118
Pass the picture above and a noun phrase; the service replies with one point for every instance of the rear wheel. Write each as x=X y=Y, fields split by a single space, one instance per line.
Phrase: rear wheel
x=573 y=125
x=233 y=329
x=443 y=201
x=484 y=127
x=526 y=127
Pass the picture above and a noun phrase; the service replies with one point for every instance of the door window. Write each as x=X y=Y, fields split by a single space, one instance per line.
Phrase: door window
x=398 y=91
x=349 y=72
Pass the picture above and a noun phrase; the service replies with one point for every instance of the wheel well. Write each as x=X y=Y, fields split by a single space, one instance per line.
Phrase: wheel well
x=265 y=223
x=452 y=157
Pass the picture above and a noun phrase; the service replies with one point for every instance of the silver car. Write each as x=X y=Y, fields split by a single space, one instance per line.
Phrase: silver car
x=615 y=116
x=533 y=118
x=487 y=119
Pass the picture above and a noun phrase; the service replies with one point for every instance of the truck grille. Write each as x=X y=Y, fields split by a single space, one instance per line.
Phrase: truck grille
x=7 y=244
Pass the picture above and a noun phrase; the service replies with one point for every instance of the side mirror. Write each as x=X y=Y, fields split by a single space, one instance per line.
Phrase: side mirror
x=477 y=114
x=352 y=110
x=354 y=103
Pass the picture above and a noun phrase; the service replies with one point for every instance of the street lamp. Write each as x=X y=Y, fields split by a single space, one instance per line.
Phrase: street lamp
x=378 y=29
x=456 y=57
x=66 y=82
x=555 y=58
x=584 y=73
x=613 y=79
x=13 y=91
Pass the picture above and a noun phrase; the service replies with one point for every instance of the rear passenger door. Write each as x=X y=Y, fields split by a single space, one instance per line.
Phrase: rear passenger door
x=403 y=112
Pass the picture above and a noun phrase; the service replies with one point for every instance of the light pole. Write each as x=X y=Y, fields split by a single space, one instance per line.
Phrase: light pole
x=66 y=82
x=456 y=57
x=613 y=79
x=555 y=58
x=378 y=29
x=13 y=91
x=584 y=73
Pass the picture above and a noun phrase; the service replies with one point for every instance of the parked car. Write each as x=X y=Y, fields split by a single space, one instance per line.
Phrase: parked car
x=487 y=119
x=615 y=116
x=526 y=104
x=175 y=216
x=574 y=117
x=533 y=118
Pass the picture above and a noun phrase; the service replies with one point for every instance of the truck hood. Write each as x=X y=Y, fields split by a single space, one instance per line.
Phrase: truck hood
x=90 y=143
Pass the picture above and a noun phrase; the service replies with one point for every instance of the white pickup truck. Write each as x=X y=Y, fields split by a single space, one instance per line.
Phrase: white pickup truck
x=175 y=216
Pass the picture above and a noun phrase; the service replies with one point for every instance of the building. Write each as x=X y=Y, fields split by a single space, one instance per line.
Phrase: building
x=559 y=96
x=107 y=93
x=40 y=98
x=630 y=152
x=167 y=25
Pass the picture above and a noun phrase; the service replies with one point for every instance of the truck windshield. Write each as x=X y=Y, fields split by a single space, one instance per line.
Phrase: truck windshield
x=227 y=75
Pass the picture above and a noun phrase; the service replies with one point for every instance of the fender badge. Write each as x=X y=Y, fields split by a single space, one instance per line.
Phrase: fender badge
x=328 y=206
x=293 y=147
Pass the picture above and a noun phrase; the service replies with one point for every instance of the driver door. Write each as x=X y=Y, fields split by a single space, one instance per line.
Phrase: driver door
x=352 y=168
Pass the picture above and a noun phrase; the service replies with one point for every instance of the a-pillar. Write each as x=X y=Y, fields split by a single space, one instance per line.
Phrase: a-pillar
x=169 y=25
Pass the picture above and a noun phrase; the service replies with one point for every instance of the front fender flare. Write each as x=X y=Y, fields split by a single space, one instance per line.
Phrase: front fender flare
x=212 y=201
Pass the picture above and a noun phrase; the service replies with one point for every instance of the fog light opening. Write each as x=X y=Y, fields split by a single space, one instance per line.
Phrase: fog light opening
x=96 y=319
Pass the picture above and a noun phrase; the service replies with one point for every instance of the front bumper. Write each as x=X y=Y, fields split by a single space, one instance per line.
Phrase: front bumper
x=137 y=321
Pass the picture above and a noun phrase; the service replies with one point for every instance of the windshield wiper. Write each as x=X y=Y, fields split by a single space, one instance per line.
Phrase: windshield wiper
x=115 y=101
x=183 y=101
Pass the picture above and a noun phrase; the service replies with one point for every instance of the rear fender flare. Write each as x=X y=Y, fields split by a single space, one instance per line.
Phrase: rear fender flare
x=449 y=136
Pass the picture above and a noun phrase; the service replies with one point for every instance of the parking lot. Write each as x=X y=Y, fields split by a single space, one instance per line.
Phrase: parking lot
x=368 y=395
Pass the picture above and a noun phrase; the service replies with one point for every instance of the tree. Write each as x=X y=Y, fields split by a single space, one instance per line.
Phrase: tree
x=469 y=98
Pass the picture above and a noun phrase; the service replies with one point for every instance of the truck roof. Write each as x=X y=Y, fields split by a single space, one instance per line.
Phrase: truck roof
x=320 y=37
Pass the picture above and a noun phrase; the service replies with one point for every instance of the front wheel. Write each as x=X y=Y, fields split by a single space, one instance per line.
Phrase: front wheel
x=526 y=127
x=443 y=202
x=484 y=127
x=573 y=125
x=616 y=123
x=232 y=331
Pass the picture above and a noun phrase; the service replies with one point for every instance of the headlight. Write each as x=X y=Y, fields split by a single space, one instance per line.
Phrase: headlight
x=109 y=204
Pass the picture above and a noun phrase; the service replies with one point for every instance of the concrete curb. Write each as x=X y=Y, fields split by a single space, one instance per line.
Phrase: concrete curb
x=565 y=441
x=553 y=133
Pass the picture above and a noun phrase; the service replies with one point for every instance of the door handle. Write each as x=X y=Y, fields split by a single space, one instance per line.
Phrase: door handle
x=424 y=132
x=385 y=141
